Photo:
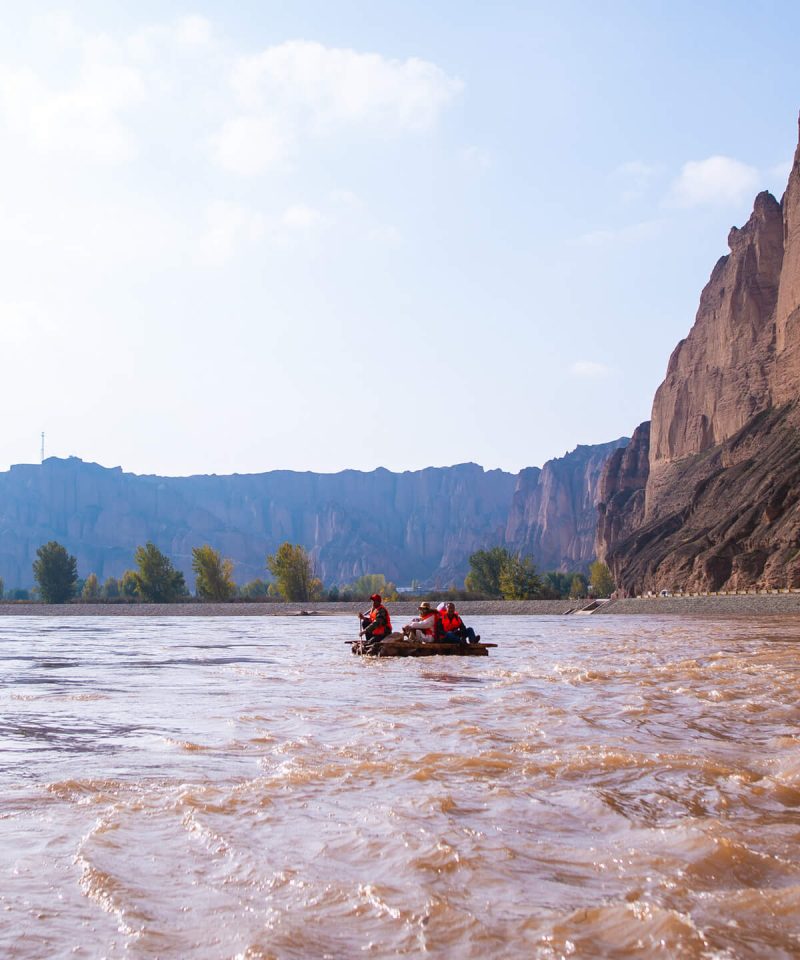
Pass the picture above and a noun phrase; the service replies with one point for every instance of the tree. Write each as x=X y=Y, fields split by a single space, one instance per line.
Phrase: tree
x=601 y=579
x=577 y=589
x=214 y=576
x=484 y=573
x=110 y=589
x=294 y=573
x=128 y=585
x=255 y=589
x=91 y=588
x=519 y=579
x=370 y=583
x=56 y=572
x=499 y=573
x=157 y=580
x=2 y=588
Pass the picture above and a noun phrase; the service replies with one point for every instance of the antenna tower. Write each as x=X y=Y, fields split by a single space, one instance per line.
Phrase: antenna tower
x=42 y=446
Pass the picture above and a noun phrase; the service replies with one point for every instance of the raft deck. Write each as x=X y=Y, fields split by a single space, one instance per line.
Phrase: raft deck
x=397 y=645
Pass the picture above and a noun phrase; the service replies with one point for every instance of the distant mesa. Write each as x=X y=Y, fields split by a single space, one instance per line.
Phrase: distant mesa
x=412 y=526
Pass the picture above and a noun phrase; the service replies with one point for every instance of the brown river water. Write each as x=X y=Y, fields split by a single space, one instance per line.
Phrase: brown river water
x=245 y=788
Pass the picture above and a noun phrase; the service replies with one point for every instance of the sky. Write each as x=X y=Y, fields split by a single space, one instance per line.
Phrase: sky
x=330 y=234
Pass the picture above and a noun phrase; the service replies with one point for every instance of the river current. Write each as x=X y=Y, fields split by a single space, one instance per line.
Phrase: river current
x=245 y=788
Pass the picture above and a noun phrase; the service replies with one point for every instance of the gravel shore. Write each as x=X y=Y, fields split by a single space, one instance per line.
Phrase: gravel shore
x=397 y=610
x=751 y=605
x=756 y=605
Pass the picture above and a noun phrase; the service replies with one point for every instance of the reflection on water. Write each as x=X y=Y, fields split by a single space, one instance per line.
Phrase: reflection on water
x=597 y=787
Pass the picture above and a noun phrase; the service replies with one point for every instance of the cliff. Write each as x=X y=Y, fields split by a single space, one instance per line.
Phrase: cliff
x=553 y=512
x=715 y=505
x=419 y=525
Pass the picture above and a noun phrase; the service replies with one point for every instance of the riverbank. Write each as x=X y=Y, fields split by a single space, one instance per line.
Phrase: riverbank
x=401 y=609
x=733 y=605
x=750 y=604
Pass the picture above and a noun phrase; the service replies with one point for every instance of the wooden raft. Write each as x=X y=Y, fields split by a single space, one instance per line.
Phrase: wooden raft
x=397 y=645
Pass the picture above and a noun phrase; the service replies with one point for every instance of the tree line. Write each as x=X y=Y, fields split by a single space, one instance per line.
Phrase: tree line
x=495 y=573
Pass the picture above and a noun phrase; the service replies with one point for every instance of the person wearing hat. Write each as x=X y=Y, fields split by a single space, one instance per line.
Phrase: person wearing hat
x=427 y=627
x=375 y=623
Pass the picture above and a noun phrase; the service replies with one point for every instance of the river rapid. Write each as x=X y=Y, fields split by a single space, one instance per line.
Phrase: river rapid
x=245 y=788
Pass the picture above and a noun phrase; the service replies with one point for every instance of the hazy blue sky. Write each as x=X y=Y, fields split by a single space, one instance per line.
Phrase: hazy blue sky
x=318 y=235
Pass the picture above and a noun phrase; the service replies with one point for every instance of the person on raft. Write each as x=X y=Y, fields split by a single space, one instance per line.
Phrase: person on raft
x=455 y=630
x=427 y=627
x=376 y=623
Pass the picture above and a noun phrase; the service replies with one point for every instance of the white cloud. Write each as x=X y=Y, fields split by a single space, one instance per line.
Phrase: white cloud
x=84 y=120
x=300 y=89
x=589 y=370
x=333 y=86
x=302 y=217
x=57 y=27
x=250 y=145
x=193 y=31
x=189 y=32
x=21 y=322
x=229 y=227
x=717 y=180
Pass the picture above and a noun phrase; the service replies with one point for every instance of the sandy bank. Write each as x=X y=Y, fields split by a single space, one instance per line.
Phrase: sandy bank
x=756 y=605
x=397 y=610
x=751 y=604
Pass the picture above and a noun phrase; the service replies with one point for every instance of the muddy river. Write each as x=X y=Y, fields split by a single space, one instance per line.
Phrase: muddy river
x=245 y=788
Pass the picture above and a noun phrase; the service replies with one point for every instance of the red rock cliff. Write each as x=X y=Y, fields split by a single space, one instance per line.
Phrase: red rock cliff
x=716 y=506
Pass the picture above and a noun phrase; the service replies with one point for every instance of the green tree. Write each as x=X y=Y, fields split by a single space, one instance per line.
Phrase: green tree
x=294 y=573
x=157 y=580
x=128 y=585
x=368 y=584
x=110 y=589
x=485 y=567
x=214 y=576
x=255 y=589
x=601 y=580
x=2 y=588
x=577 y=589
x=499 y=573
x=519 y=579
x=56 y=573
x=91 y=588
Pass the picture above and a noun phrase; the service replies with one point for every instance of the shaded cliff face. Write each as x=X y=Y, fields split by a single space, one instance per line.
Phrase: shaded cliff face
x=621 y=489
x=554 y=510
x=716 y=507
x=731 y=521
x=420 y=525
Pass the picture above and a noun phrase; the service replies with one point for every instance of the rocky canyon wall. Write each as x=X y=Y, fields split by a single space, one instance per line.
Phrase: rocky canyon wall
x=419 y=525
x=553 y=512
x=709 y=500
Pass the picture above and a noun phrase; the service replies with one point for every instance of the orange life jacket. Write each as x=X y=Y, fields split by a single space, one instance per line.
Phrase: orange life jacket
x=386 y=628
x=451 y=622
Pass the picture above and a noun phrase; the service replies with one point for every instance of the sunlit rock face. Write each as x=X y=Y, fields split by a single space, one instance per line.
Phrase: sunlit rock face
x=716 y=507
x=418 y=525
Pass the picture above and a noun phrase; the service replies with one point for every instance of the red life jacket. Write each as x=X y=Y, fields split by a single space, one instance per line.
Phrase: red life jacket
x=385 y=629
x=451 y=623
